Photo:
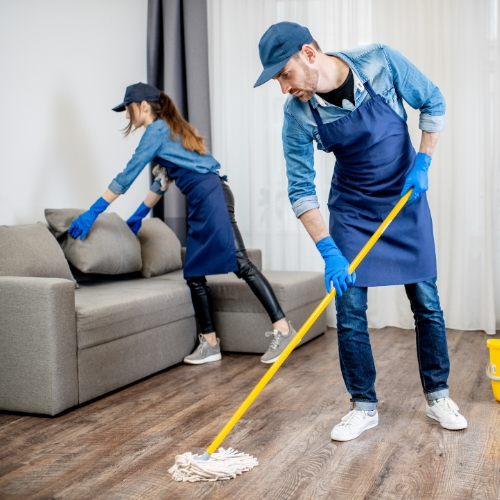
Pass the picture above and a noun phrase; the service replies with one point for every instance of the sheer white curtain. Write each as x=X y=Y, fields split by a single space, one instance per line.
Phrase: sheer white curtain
x=456 y=43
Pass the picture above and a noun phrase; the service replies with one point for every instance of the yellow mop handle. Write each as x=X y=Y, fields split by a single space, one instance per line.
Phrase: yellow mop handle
x=305 y=328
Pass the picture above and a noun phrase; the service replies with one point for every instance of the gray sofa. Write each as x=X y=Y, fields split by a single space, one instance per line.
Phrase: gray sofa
x=61 y=345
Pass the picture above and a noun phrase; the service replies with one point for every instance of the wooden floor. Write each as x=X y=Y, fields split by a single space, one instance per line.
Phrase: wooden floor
x=121 y=445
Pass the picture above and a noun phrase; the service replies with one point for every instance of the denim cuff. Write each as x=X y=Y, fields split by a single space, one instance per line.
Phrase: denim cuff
x=429 y=123
x=303 y=205
x=442 y=393
x=116 y=188
x=363 y=405
x=156 y=188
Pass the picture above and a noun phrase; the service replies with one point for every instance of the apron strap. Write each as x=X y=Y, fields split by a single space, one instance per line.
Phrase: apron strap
x=369 y=88
x=315 y=113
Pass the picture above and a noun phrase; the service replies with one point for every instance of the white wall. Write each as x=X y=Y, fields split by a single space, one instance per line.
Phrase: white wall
x=63 y=66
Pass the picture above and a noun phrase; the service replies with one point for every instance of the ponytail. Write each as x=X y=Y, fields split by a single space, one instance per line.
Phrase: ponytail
x=167 y=110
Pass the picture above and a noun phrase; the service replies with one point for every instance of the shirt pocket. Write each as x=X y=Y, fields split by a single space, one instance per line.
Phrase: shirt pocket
x=390 y=97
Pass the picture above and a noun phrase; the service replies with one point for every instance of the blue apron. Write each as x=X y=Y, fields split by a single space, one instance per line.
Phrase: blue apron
x=374 y=156
x=210 y=242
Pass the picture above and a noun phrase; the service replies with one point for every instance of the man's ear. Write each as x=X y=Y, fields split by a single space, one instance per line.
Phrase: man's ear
x=309 y=53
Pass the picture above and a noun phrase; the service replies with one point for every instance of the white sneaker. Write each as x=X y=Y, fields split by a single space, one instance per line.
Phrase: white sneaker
x=445 y=411
x=353 y=424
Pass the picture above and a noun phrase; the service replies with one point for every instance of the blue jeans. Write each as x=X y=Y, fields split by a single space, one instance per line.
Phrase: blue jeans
x=355 y=353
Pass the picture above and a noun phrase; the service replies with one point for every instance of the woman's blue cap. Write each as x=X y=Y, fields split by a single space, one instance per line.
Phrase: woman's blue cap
x=137 y=93
x=277 y=45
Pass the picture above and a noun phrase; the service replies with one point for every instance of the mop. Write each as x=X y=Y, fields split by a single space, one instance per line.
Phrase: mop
x=227 y=464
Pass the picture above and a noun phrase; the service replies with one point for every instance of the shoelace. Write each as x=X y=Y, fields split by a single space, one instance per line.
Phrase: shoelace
x=447 y=405
x=275 y=342
x=352 y=418
x=203 y=344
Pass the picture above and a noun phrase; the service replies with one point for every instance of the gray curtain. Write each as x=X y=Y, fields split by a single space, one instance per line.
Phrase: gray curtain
x=178 y=65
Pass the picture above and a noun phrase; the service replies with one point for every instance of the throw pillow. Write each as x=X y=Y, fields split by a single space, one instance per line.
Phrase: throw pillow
x=160 y=248
x=30 y=250
x=110 y=247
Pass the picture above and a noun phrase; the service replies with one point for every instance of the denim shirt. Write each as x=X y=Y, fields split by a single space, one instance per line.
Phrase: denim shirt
x=391 y=75
x=156 y=141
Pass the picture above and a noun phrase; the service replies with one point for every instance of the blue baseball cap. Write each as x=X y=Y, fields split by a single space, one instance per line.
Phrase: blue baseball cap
x=277 y=45
x=137 y=93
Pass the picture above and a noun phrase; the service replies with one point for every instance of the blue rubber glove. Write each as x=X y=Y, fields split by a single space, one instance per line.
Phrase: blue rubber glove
x=81 y=225
x=418 y=177
x=336 y=266
x=135 y=220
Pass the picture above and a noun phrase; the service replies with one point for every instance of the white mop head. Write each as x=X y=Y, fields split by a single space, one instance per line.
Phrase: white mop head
x=222 y=465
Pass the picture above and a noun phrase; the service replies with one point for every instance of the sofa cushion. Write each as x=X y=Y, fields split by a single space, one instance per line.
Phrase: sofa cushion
x=241 y=319
x=109 y=248
x=30 y=250
x=174 y=275
x=160 y=248
x=107 y=311
x=293 y=289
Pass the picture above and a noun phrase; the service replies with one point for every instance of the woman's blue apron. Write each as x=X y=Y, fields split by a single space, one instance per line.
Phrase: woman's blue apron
x=210 y=242
x=374 y=156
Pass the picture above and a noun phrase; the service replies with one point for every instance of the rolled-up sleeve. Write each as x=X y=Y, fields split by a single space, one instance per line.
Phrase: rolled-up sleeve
x=303 y=205
x=417 y=90
x=149 y=145
x=299 y=157
x=430 y=123
x=156 y=188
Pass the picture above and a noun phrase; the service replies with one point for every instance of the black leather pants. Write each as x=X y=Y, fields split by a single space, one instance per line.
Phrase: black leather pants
x=202 y=303
x=200 y=291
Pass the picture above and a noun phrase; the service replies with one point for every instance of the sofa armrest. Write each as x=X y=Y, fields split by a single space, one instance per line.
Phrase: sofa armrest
x=38 y=351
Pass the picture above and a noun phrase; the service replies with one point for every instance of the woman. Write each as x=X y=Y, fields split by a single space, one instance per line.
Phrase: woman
x=214 y=244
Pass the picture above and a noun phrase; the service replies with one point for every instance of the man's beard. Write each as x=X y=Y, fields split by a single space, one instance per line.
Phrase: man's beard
x=310 y=84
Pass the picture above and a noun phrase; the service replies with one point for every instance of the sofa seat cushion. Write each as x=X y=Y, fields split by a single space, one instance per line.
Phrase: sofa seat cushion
x=293 y=289
x=107 y=311
x=174 y=275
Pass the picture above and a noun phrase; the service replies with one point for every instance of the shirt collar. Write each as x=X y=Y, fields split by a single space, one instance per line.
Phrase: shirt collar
x=359 y=79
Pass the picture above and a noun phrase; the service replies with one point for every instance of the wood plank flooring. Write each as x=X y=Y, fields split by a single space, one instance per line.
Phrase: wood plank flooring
x=120 y=446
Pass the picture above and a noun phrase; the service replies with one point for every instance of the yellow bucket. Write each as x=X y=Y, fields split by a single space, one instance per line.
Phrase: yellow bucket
x=493 y=368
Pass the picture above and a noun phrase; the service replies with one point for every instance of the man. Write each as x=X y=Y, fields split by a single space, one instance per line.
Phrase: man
x=350 y=103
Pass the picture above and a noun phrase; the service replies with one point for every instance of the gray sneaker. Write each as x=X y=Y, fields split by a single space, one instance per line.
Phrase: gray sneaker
x=204 y=353
x=277 y=345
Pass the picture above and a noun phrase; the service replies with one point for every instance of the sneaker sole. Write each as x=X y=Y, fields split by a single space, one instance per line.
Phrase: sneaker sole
x=349 y=438
x=269 y=361
x=208 y=359
x=457 y=427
